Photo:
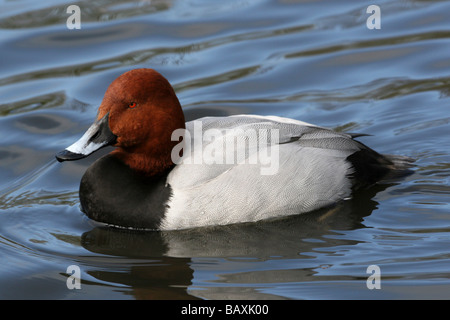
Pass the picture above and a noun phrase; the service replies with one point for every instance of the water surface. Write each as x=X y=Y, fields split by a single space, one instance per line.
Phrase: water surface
x=314 y=61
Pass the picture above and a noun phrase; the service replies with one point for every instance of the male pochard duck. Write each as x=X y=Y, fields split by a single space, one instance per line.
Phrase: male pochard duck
x=141 y=185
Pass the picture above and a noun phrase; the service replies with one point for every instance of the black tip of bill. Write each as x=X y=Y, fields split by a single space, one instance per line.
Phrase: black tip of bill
x=67 y=155
x=98 y=135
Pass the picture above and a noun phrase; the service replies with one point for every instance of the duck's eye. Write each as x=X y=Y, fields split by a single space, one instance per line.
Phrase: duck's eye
x=132 y=105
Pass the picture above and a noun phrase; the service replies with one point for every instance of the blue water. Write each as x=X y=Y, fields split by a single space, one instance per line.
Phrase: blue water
x=315 y=61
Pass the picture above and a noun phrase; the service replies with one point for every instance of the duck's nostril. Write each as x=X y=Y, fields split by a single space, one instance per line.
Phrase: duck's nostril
x=95 y=136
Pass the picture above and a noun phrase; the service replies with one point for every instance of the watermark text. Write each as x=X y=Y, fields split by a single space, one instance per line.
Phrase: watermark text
x=227 y=146
x=74 y=280
x=74 y=20
x=374 y=20
x=374 y=280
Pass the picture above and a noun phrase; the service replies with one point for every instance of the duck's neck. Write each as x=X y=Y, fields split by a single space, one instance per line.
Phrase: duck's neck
x=144 y=164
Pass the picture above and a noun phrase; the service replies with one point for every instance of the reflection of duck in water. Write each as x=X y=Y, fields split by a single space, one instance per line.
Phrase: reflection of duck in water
x=281 y=237
x=170 y=264
x=137 y=261
x=138 y=185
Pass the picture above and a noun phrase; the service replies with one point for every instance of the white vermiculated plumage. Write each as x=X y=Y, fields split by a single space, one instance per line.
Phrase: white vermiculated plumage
x=312 y=173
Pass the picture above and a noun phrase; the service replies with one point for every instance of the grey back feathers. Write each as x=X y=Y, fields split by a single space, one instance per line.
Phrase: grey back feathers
x=316 y=167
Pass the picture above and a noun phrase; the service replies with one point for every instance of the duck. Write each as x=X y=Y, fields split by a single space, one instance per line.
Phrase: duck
x=168 y=174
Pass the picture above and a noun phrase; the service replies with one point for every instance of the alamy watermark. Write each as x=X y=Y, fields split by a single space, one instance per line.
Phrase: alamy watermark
x=74 y=280
x=227 y=146
x=74 y=20
x=374 y=280
x=374 y=21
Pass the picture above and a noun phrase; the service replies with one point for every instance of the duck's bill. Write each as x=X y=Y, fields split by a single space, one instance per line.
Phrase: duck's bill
x=98 y=135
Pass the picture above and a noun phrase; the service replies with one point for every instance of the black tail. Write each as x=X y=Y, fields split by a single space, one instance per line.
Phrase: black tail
x=400 y=168
x=371 y=167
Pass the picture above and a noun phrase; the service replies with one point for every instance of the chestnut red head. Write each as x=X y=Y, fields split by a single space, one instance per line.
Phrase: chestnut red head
x=138 y=114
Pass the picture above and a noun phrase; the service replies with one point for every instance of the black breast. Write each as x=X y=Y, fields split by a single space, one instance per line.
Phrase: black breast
x=112 y=193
